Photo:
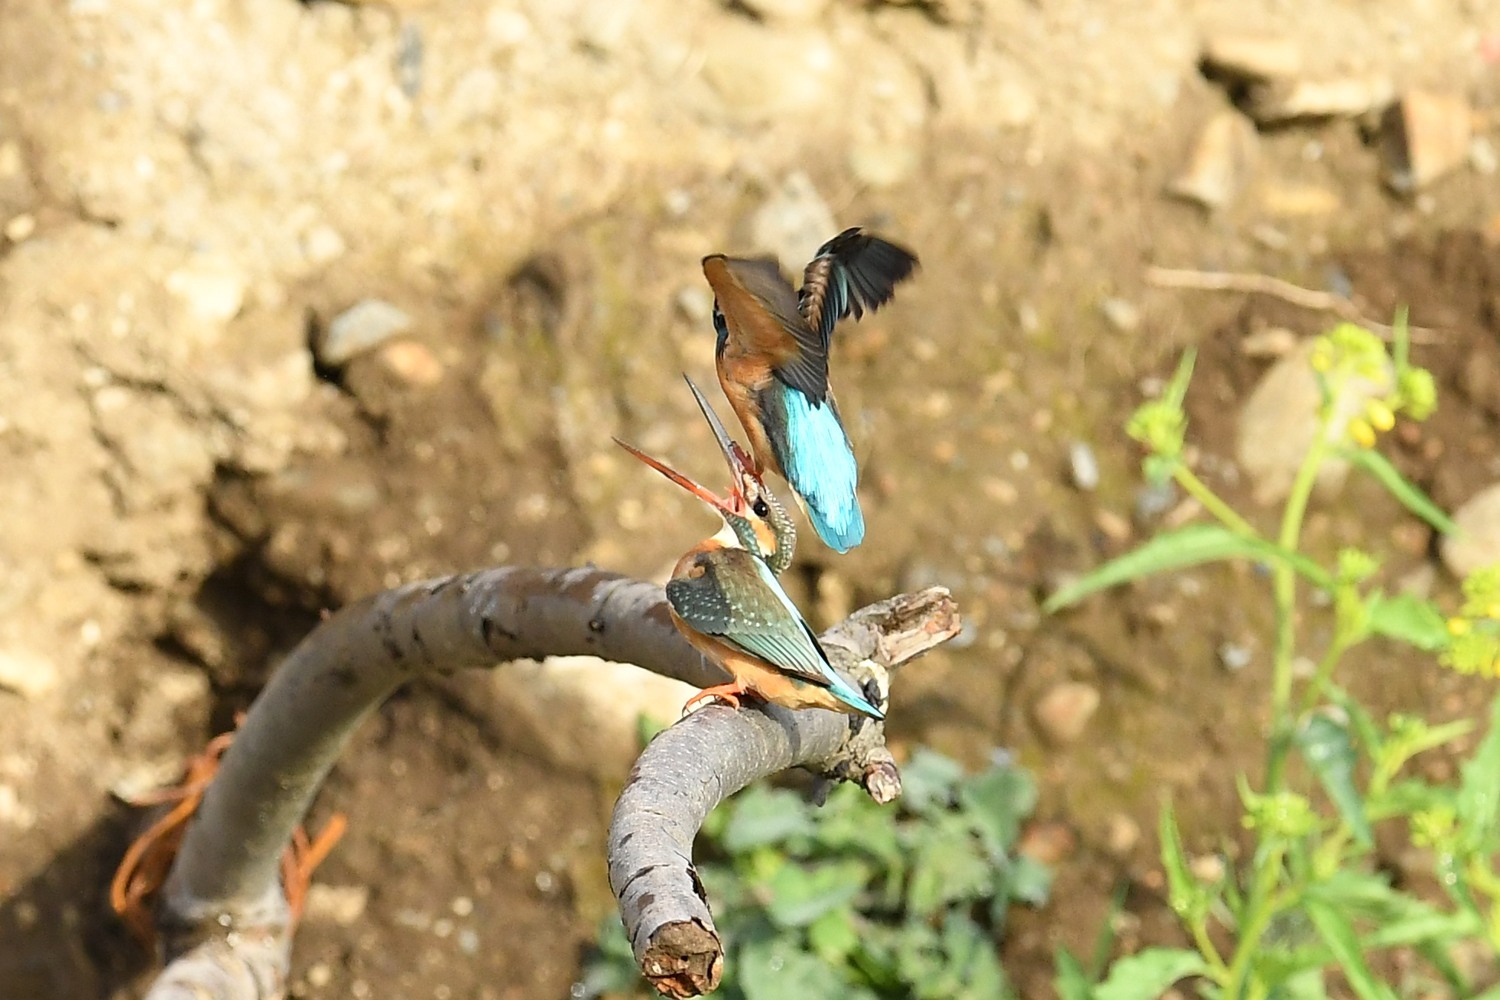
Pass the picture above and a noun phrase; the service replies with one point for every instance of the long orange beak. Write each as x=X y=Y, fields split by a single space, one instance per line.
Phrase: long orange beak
x=697 y=490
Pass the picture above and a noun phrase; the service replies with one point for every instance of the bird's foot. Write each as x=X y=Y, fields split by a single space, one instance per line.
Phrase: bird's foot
x=729 y=694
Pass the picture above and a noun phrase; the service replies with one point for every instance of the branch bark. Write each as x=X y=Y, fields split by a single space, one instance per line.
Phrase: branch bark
x=223 y=916
x=692 y=766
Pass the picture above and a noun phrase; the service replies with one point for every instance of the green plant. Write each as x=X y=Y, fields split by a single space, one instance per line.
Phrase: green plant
x=855 y=901
x=1309 y=898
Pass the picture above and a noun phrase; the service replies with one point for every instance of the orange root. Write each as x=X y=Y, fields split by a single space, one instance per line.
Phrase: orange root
x=729 y=694
x=148 y=859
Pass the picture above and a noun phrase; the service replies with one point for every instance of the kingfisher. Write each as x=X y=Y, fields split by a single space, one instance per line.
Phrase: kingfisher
x=726 y=601
x=771 y=354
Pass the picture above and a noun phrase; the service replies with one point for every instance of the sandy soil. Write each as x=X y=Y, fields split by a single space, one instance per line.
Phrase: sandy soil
x=190 y=193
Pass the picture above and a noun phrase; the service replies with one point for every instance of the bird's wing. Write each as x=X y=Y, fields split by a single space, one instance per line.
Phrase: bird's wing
x=740 y=602
x=851 y=273
x=757 y=314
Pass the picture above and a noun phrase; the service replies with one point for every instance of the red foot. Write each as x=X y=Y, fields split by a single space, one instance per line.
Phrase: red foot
x=727 y=693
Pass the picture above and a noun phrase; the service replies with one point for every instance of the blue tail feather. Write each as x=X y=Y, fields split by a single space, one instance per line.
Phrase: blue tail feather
x=819 y=463
x=849 y=695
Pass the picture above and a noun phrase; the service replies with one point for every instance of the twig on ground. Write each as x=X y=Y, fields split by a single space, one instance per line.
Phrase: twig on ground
x=1264 y=284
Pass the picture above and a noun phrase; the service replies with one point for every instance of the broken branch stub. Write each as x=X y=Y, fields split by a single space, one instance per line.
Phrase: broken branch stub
x=695 y=764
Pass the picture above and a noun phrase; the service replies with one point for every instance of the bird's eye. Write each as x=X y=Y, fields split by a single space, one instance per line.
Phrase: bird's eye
x=760 y=507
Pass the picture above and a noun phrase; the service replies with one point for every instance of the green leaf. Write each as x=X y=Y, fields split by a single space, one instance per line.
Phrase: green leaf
x=1147 y=974
x=1304 y=985
x=800 y=895
x=972 y=967
x=1411 y=497
x=1328 y=750
x=1027 y=880
x=1408 y=619
x=832 y=936
x=1070 y=982
x=997 y=801
x=1478 y=801
x=774 y=969
x=928 y=782
x=948 y=868
x=1182 y=887
x=1187 y=546
x=1338 y=933
x=763 y=816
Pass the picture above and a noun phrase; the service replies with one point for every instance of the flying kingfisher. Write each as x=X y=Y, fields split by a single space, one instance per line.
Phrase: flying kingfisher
x=772 y=360
x=726 y=601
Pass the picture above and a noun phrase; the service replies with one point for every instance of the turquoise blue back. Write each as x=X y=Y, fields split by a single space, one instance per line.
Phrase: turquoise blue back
x=819 y=463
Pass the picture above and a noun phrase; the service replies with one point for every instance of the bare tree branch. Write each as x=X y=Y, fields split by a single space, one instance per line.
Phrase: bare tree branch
x=223 y=916
x=691 y=767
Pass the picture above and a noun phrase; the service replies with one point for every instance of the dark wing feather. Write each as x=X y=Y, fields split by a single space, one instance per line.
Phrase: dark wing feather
x=852 y=272
x=805 y=368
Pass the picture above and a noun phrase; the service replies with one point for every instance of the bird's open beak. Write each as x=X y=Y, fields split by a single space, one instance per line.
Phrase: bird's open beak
x=697 y=490
x=734 y=455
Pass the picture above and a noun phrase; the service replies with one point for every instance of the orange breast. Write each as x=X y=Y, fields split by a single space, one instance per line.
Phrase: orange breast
x=742 y=398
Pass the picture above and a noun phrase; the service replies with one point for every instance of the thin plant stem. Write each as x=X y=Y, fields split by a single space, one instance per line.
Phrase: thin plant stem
x=1260 y=909
x=1284 y=583
x=1199 y=491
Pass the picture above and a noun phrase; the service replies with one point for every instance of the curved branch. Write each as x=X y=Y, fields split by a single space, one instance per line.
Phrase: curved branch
x=223 y=915
x=692 y=766
x=225 y=882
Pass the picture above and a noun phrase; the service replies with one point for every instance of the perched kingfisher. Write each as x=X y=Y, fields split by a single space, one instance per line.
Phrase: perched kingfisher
x=726 y=601
x=772 y=360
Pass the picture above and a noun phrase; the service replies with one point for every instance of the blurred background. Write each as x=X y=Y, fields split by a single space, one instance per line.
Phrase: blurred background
x=299 y=301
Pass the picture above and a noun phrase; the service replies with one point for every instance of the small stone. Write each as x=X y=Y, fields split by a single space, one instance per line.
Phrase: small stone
x=1153 y=500
x=1121 y=314
x=322 y=244
x=1047 y=842
x=358 y=329
x=1424 y=136
x=1064 y=712
x=412 y=363
x=792 y=222
x=1299 y=201
x=1112 y=525
x=20 y=227
x=1483 y=157
x=1270 y=342
x=319 y=974
x=26 y=674
x=1233 y=656
x=1282 y=101
x=212 y=288
x=1476 y=544
x=343 y=905
x=1122 y=835
x=14 y=812
x=1220 y=162
x=1207 y=868
x=1253 y=57
x=1083 y=466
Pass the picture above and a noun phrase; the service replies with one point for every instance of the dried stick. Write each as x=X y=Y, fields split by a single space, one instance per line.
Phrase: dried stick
x=223 y=915
x=691 y=767
x=1264 y=284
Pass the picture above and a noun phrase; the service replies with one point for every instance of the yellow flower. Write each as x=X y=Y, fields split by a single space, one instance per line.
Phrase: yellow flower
x=1459 y=626
x=1380 y=415
x=1362 y=433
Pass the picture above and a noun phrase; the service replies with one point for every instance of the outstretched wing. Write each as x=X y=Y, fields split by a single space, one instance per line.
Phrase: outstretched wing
x=851 y=273
x=757 y=315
